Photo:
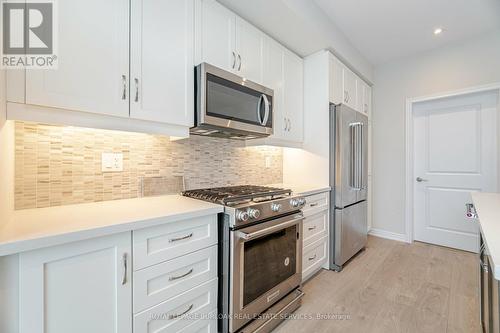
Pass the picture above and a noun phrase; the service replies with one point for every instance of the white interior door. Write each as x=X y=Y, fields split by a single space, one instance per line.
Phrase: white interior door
x=455 y=153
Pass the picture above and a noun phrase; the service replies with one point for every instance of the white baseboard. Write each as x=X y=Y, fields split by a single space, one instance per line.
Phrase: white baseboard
x=388 y=234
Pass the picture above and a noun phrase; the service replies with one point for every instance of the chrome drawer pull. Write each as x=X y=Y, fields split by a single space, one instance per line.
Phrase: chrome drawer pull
x=311 y=228
x=312 y=258
x=173 y=278
x=175 y=316
x=313 y=204
x=181 y=238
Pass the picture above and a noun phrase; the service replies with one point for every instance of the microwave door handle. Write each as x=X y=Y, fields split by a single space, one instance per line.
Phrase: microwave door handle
x=263 y=97
x=266 y=108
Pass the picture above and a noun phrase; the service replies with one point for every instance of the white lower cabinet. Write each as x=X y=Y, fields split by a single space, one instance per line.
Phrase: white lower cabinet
x=98 y=286
x=315 y=232
x=179 y=312
x=78 y=287
x=314 y=257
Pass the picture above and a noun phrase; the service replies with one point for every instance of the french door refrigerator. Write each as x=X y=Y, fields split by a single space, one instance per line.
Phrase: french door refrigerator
x=348 y=180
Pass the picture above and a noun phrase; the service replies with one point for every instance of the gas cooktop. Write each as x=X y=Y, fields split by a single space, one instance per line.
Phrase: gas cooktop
x=235 y=195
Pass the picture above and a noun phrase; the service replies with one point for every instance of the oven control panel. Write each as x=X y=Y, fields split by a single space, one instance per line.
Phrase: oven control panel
x=253 y=212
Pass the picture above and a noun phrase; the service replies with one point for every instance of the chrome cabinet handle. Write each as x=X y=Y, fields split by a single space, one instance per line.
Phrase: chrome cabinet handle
x=470 y=211
x=311 y=228
x=175 y=316
x=125 y=268
x=180 y=238
x=136 y=99
x=312 y=258
x=234 y=59
x=286 y=124
x=124 y=84
x=173 y=278
x=239 y=58
x=419 y=179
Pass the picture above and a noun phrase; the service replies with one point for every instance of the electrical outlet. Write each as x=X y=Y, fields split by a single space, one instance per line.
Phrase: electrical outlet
x=112 y=162
x=268 y=161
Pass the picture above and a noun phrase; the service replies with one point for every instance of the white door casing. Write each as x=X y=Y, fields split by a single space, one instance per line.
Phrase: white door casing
x=454 y=153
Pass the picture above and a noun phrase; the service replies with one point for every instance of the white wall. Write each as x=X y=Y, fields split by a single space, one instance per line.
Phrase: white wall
x=454 y=67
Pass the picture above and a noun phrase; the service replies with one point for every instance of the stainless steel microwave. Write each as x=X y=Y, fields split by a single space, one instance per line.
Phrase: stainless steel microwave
x=230 y=106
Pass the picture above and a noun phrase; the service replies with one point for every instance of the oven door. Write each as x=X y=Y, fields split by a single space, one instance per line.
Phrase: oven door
x=267 y=265
x=227 y=101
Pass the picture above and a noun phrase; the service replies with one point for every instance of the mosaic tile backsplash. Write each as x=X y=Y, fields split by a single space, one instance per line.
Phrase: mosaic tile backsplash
x=60 y=165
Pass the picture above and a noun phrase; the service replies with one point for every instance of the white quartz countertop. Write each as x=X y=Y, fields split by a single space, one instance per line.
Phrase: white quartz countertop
x=304 y=189
x=36 y=228
x=488 y=209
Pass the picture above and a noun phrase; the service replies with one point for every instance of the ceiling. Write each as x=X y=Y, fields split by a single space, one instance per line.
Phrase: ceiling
x=384 y=30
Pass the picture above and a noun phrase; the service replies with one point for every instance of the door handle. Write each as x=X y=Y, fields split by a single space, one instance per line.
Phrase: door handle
x=125 y=268
x=234 y=60
x=239 y=66
x=419 y=179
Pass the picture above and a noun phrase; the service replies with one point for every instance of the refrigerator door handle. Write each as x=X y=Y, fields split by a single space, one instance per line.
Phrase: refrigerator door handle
x=352 y=167
x=361 y=158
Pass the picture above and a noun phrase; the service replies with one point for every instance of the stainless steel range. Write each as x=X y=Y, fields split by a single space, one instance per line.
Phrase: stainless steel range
x=260 y=255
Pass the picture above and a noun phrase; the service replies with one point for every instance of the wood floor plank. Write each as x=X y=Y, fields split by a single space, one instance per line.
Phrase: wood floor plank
x=393 y=287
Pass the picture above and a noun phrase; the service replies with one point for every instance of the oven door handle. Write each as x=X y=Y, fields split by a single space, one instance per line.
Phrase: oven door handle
x=269 y=230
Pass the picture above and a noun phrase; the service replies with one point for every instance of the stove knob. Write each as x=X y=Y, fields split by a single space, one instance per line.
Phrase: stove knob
x=242 y=216
x=294 y=203
x=302 y=201
x=253 y=213
x=276 y=207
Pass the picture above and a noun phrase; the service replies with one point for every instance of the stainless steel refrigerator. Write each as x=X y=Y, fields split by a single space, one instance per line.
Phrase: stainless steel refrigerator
x=348 y=180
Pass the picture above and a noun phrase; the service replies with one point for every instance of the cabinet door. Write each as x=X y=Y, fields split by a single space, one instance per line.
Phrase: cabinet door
x=273 y=77
x=249 y=42
x=78 y=287
x=350 y=96
x=215 y=35
x=162 y=64
x=93 y=60
x=336 y=81
x=367 y=98
x=294 y=96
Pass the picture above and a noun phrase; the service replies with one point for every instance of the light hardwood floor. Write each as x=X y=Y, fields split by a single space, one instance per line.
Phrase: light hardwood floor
x=394 y=287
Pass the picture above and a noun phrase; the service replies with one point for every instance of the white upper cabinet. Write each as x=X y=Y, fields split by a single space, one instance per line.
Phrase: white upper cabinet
x=227 y=41
x=294 y=96
x=249 y=42
x=215 y=35
x=350 y=89
x=93 y=72
x=161 y=64
x=347 y=88
x=273 y=78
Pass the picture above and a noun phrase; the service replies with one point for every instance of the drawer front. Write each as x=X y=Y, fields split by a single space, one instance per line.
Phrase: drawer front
x=203 y=325
x=180 y=312
x=316 y=203
x=315 y=227
x=158 y=244
x=161 y=282
x=315 y=255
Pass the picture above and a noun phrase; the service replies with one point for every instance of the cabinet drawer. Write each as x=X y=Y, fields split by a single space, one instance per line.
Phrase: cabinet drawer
x=208 y=325
x=315 y=227
x=157 y=244
x=179 y=312
x=314 y=257
x=160 y=282
x=316 y=203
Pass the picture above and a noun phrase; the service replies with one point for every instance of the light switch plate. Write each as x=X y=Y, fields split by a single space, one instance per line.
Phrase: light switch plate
x=112 y=162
